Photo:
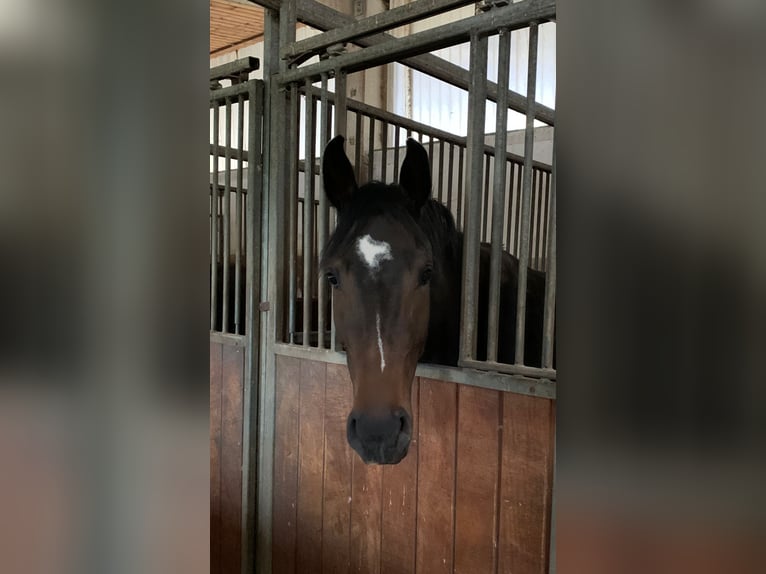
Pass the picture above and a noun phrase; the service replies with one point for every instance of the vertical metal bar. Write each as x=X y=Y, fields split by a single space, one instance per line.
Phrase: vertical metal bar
x=214 y=222
x=459 y=218
x=546 y=215
x=308 y=214
x=292 y=190
x=383 y=150
x=358 y=147
x=432 y=163
x=226 y=221
x=371 y=149
x=272 y=328
x=539 y=237
x=550 y=275
x=529 y=139
x=253 y=285
x=477 y=99
x=397 y=129
x=498 y=192
x=450 y=175
x=509 y=218
x=323 y=210
x=517 y=219
x=540 y=219
x=340 y=103
x=533 y=220
x=340 y=129
x=441 y=170
x=238 y=327
x=485 y=198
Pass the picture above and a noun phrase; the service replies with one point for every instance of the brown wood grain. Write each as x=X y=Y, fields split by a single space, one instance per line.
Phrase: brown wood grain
x=398 y=525
x=436 y=476
x=336 y=518
x=310 y=465
x=476 y=480
x=285 y=464
x=366 y=492
x=216 y=374
x=231 y=458
x=527 y=457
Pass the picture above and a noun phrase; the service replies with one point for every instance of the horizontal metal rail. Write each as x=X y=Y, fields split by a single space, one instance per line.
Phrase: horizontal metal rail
x=323 y=17
x=236 y=70
x=476 y=377
x=219 y=94
x=239 y=155
x=399 y=16
x=512 y=17
x=510 y=369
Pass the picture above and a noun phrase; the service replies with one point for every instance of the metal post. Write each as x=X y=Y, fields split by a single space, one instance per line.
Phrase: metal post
x=450 y=177
x=498 y=193
x=238 y=327
x=214 y=221
x=292 y=190
x=550 y=276
x=226 y=222
x=529 y=139
x=323 y=212
x=340 y=129
x=475 y=150
x=253 y=236
x=308 y=214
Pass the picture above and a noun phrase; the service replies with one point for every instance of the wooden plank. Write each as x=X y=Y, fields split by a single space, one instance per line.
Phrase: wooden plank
x=366 y=492
x=436 y=476
x=336 y=517
x=476 y=489
x=216 y=356
x=285 y=464
x=527 y=462
x=231 y=458
x=310 y=465
x=398 y=523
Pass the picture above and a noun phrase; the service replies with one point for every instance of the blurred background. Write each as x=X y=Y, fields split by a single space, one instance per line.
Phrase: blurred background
x=103 y=286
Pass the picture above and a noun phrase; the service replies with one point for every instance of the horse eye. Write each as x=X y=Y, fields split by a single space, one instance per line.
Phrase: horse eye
x=425 y=275
x=332 y=279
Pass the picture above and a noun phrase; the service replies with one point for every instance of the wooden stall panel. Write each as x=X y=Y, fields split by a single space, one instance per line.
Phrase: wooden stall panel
x=527 y=459
x=286 y=437
x=310 y=465
x=231 y=458
x=216 y=382
x=398 y=522
x=336 y=494
x=477 y=480
x=436 y=476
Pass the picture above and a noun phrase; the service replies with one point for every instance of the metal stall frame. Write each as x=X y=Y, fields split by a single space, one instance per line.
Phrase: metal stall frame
x=284 y=84
x=253 y=224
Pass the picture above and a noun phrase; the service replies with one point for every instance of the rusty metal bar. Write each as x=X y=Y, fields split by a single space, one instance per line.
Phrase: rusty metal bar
x=529 y=140
x=550 y=276
x=226 y=222
x=397 y=135
x=238 y=327
x=292 y=191
x=477 y=101
x=308 y=213
x=498 y=195
x=323 y=211
x=214 y=223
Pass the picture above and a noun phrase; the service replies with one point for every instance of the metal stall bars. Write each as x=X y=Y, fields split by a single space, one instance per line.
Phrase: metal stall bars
x=532 y=188
x=530 y=202
x=236 y=279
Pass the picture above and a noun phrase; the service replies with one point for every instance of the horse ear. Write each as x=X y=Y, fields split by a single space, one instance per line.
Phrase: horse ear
x=415 y=175
x=337 y=174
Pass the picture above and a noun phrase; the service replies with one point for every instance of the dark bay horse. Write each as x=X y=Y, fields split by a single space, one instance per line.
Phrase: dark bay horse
x=394 y=263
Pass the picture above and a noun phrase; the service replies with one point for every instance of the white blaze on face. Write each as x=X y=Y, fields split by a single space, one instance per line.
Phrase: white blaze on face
x=380 y=344
x=373 y=252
